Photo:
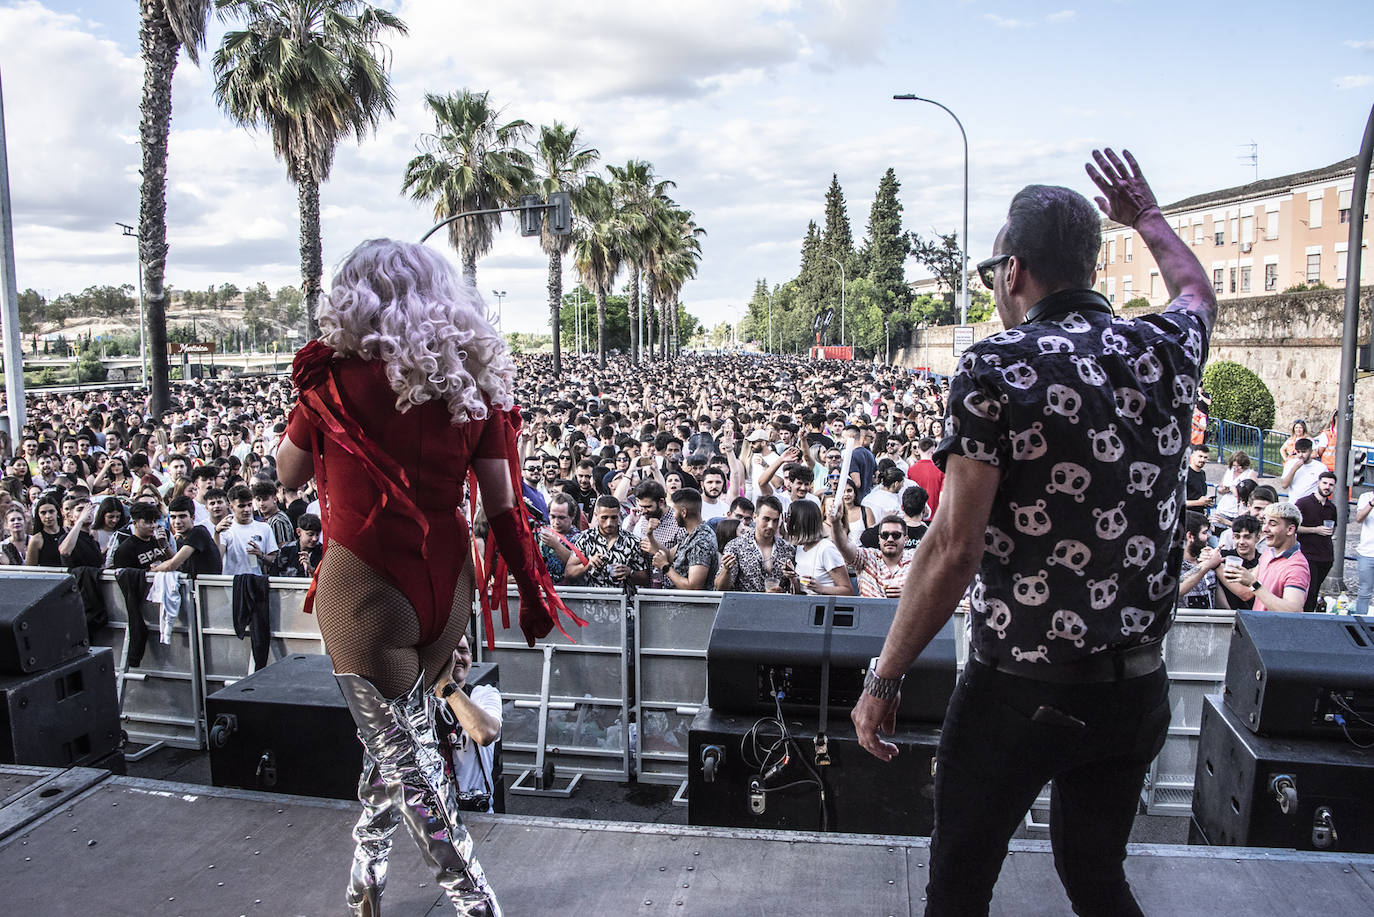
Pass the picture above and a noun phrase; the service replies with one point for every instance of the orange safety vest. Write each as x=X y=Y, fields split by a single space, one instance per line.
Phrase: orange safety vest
x=1199 y=427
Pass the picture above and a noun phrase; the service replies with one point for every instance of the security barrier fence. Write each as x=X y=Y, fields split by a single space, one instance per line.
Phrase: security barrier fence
x=568 y=704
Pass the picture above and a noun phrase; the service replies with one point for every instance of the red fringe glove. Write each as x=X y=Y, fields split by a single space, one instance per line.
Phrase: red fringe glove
x=539 y=603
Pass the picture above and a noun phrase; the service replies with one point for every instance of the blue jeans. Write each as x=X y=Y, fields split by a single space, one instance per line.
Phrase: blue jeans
x=1365 y=566
x=995 y=756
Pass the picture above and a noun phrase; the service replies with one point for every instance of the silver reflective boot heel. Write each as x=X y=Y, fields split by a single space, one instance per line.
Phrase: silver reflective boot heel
x=372 y=834
x=400 y=736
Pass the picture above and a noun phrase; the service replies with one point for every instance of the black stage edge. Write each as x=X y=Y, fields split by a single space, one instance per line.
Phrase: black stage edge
x=128 y=846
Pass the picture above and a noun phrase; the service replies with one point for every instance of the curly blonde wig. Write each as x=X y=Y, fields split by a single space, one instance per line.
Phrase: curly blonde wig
x=403 y=304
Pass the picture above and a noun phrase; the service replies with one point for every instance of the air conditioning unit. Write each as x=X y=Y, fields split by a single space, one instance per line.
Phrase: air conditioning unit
x=1246 y=246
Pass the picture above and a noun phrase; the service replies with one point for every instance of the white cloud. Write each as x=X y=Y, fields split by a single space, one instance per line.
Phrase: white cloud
x=1356 y=81
x=1062 y=16
x=1366 y=45
x=1003 y=22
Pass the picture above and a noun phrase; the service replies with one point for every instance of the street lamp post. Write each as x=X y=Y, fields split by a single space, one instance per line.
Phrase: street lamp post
x=841 y=267
x=963 y=241
x=500 y=295
x=770 y=321
x=142 y=319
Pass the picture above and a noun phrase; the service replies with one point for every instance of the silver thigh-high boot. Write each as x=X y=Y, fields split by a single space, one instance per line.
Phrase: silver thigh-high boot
x=399 y=734
x=372 y=834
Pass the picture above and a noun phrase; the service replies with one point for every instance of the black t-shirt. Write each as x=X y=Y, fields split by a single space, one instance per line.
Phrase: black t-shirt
x=289 y=560
x=819 y=439
x=1197 y=484
x=136 y=552
x=86 y=553
x=1233 y=600
x=206 y=558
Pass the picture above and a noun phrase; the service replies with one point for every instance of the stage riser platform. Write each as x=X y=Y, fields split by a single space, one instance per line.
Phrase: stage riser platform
x=164 y=848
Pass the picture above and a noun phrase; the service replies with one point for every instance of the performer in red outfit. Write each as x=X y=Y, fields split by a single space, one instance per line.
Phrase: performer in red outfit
x=407 y=390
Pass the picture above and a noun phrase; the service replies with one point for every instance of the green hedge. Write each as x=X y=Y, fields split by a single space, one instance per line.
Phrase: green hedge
x=1238 y=395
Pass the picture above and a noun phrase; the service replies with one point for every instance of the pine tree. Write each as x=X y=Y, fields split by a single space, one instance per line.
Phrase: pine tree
x=887 y=247
x=837 y=241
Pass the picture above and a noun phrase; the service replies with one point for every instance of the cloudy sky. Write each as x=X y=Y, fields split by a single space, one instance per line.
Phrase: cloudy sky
x=748 y=105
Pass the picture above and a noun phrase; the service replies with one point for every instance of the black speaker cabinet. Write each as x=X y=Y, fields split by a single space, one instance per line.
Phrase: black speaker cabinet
x=762 y=644
x=1244 y=782
x=1302 y=674
x=42 y=623
x=67 y=716
x=863 y=795
x=286 y=729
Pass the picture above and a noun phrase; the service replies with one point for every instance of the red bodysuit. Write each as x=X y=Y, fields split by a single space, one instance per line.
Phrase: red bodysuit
x=391 y=483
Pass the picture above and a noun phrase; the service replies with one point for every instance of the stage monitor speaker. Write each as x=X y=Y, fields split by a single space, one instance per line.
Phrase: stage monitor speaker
x=1302 y=674
x=728 y=786
x=42 y=623
x=287 y=729
x=1257 y=791
x=66 y=716
x=762 y=645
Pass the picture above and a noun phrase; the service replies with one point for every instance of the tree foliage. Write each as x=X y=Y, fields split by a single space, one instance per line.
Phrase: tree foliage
x=1238 y=394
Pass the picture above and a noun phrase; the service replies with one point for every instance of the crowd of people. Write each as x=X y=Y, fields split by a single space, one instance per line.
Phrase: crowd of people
x=694 y=474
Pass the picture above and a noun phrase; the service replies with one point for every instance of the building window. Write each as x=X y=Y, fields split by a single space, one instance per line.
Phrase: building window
x=1340 y=267
x=1128 y=249
x=1197 y=233
x=1111 y=252
x=1247 y=231
x=1271 y=277
x=1314 y=268
x=1314 y=213
x=1245 y=280
x=1111 y=289
x=1219 y=237
x=1271 y=224
x=1219 y=280
x=1154 y=284
x=1233 y=280
x=1126 y=284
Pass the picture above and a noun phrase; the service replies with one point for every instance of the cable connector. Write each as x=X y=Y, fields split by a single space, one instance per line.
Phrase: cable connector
x=822 y=750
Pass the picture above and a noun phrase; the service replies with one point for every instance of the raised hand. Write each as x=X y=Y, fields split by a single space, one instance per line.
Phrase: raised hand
x=1127 y=193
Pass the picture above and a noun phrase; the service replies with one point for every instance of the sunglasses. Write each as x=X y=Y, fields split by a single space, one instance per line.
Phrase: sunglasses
x=987 y=269
x=891 y=536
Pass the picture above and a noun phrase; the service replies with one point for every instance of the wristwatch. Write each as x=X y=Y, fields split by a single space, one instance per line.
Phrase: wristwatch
x=878 y=686
x=1254 y=587
x=449 y=690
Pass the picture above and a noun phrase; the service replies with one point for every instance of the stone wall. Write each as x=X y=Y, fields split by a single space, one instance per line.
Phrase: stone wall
x=1291 y=340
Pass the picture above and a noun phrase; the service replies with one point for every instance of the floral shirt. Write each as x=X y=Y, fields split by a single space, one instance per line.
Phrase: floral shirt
x=624 y=550
x=875 y=576
x=697 y=549
x=749 y=571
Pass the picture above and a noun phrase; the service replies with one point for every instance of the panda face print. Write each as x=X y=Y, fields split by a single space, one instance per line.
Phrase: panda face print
x=1019 y=375
x=999 y=617
x=1040 y=654
x=1031 y=590
x=1135 y=620
x=1029 y=444
x=977 y=594
x=1074 y=323
x=1185 y=391
x=1069 y=478
x=1114 y=343
x=1192 y=345
x=1130 y=404
x=1111 y=523
x=1067 y=625
x=1139 y=551
x=1010 y=336
x=1107 y=446
x=975 y=450
x=1168 y=513
x=1053 y=343
x=1032 y=518
x=1159 y=583
x=982 y=406
x=1070 y=553
x=1147 y=367
x=1089 y=370
x=1169 y=438
x=1064 y=401
x=1102 y=592
x=1143 y=475
x=967 y=360
x=997 y=543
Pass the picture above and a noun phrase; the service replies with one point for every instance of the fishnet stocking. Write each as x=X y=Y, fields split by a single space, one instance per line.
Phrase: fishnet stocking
x=370 y=628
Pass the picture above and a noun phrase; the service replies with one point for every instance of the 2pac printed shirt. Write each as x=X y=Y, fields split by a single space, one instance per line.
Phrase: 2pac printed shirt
x=1087 y=415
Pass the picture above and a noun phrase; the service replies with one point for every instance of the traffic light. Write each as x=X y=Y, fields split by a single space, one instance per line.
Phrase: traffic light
x=532 y=214
x=560 y=213
x=1357 y=460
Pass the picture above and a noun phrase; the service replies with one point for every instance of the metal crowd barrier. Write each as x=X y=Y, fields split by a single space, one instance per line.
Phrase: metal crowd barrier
x=565 y=704
x=225 y=658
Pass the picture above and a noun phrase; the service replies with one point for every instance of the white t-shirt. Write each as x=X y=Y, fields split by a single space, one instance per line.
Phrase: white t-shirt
x=1228 y=504
x=1305 y=480
x=786 y=499
x=466 y=767
x=1366 y=548
x=236 y=539
x=817 y=561
x=718 y=510
x=882 y=502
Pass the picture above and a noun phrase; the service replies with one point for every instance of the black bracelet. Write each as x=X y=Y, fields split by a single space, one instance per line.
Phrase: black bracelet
x=449 y=690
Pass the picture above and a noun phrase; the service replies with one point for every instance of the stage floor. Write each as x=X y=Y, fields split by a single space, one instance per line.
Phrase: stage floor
x=82 y=841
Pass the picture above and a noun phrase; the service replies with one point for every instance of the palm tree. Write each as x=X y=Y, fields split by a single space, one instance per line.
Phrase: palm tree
x=470 y=162
x=165 y=27
x=311 y=72
x=644 y=202
x=677 y=264
x=562 y=166
x=598 y=249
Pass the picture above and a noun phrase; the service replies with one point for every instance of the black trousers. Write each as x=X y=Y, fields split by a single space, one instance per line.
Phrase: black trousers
x=1319 y=568
x=1094 y=742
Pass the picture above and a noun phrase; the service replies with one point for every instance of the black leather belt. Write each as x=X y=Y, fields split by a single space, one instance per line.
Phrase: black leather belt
x=1106 y=666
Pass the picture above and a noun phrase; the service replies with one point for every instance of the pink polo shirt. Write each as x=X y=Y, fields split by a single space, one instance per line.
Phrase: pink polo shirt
x=1279 y=571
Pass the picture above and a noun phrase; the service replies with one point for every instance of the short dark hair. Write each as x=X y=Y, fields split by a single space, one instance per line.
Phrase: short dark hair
x=1199 y=447
x=914 y=501
x=587 y=464
x=240 y=492
x=925 y=444
x=144 y=512
x=1246 y=523
x=1303 y=444
x=892 y=519
x=214 y=493
x=308 y=522
x=182 y=504
x=264 y=488
x=748 y=505
x=892 y=476
x=1193 y=521
x=796 y=471
x=1056 y=232
x=606 y=501
x=1265 y=492
x=650 y=490
x=1327 y=474
x=689 y=498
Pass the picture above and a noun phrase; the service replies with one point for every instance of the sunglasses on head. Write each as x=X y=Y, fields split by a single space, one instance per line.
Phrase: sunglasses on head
x=988 y=268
